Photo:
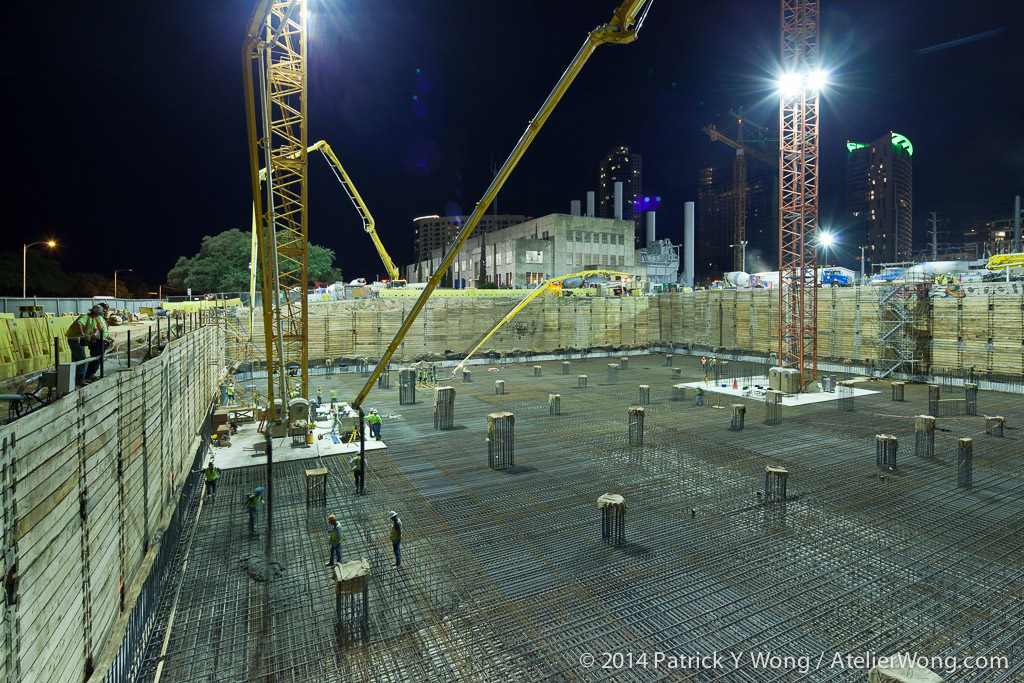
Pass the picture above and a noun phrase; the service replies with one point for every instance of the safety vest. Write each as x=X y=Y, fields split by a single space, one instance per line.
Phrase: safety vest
x=699 y=391
x=253 y=500
x=101 y=323
x=396 y=530
x=319 y=393
x=212 y=474
x=374 y=419
x=231 y=391
x=356 y=463
x=88 y=323
x=336 y=534
x=334 y=394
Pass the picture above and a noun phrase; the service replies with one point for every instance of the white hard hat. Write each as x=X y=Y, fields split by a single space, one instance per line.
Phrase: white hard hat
x=392 y=514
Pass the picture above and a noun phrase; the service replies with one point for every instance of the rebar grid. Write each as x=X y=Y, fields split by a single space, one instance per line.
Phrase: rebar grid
x=505 y=576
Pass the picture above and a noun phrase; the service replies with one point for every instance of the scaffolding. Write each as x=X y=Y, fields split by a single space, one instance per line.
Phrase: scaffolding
x=897 y=335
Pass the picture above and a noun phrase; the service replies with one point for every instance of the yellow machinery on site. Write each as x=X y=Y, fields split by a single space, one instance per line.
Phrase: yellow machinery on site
x=621 y=30
x=1000 y=261
x=369 y=225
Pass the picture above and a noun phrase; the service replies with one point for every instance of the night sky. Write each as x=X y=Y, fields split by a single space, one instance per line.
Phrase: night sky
x=125 y=130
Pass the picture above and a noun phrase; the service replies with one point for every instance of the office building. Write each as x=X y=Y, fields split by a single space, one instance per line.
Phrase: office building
x=879 y=197
x=431 y=233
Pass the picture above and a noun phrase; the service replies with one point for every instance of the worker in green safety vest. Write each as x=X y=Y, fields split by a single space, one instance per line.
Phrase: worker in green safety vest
x=334 y=397
x=336 y=537
x=81 y=334
x=231 y=394
x=358 y=471
x=212 y=473
x=252 y=503
x=319 y=396
x=375 y=421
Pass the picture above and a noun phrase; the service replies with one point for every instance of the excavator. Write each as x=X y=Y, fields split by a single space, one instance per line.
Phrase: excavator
x=394 y=278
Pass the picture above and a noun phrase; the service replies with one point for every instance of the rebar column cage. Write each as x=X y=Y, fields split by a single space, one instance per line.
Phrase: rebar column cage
x=678 y=392
x=624 y=363
x=644 y=395
x=565 y=367
x=668 y=360
x=971 y=398
x=845 y=392
x=613 y=519
x=352 y=596
x=444 y=407
x=933 y=400
x=613 y=373
x=994 y=425
x=499 y=387
x=406 y=386
x=773 y=407
x=554 y=404
x=897 y=390
x=775 y=480
x=965 y=463
x=739 y=412
x=362 y=367
x=581 y=381
x=537 y=370
x=885 y=451
x=316 y=487
x=384 y=380
x=924 y=436
x=636 y=426
x=798 y=193
x=501 y=440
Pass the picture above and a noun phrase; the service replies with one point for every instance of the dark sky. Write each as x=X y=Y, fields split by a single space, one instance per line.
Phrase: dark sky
x=125 y=130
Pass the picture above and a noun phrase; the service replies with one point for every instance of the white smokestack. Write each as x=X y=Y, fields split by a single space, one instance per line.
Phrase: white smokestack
x=590 y=204
x=574 y=207
x=688 y=243
x=650 y=228
x=618 y=201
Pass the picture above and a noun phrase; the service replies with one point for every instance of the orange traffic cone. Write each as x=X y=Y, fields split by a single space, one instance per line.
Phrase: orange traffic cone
x=734 y=384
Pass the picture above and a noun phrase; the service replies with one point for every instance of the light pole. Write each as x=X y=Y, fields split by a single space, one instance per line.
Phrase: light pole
x=24 y=262
x=862 y=264
x=743 y=244
x=115 y=278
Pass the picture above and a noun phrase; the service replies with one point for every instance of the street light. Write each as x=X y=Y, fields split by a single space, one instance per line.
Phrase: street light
x=115 y=278
x=826 y=239
x=862 y=264
x=24 y=262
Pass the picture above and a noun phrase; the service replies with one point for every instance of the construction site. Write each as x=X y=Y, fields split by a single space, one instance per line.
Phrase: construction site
x=796 y=484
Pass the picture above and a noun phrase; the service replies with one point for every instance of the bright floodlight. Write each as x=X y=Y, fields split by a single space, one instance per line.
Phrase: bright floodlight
x=826 y=239
x=790 y=84
x=52 y=243
x=817 y=80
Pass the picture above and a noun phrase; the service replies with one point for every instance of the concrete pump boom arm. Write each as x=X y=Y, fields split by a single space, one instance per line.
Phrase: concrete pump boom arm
x=1005 y=261
x=622 y=29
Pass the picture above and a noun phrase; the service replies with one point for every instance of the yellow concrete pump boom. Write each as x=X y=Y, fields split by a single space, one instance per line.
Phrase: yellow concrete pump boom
x=621 y=30
x=357 y=201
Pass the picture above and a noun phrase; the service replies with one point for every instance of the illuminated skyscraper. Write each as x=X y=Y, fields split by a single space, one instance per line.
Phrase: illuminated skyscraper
x=879 y=196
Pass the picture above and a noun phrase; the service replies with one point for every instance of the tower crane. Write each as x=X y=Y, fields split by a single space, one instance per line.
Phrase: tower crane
x=739 y=184
x=798 y=189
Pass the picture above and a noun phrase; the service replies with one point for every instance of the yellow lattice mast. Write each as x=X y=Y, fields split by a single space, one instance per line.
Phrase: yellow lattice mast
x=274 y=61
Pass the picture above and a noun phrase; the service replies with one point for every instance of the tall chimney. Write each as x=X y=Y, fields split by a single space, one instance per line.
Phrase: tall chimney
x=574 y=207
x=590 y=204
x=688 y=243
x=650 y=228
x=618 y=201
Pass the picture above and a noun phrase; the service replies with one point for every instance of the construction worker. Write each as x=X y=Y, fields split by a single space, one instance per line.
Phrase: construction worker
x=335 y=540
x=319 y=396
x=231 y=394
x=375 y=421
x=211 y=473
x=714 y=362
x=98 y=345
x=396 y=536
x=252 y=503
x=700 y=393
x=358 y=472
x=703 y=365
x=80 y=335
x=334 y=397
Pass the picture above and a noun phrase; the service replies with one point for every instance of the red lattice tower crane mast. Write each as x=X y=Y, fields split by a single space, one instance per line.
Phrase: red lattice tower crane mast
x=798 y=189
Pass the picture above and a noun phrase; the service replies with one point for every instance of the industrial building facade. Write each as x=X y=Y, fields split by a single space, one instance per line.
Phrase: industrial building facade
x=879 y=196
x=527 y=254
x=437 y=232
